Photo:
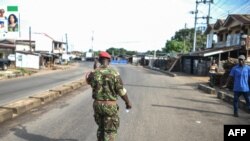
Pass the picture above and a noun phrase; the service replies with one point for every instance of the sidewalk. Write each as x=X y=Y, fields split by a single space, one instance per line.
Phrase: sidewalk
x=202 y=83
x=17 y=73
x=221 y=93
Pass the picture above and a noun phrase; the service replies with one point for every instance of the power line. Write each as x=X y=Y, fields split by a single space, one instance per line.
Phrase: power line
x=242 y=7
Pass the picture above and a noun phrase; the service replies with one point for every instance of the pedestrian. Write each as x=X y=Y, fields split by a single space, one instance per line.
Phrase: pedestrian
x=212 y=73
x=240 y=73
x=106 y=86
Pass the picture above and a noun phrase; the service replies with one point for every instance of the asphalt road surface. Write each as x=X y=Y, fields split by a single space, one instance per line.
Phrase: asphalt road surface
x=14 y=89
x=164 y=109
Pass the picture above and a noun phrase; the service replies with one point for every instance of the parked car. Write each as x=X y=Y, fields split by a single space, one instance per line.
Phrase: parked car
x=4 y=64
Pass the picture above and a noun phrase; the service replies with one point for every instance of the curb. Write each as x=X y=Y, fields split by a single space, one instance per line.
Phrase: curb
x=47 y=96
x=229 y=98
x=5 y=114
x=223 y=96
x=165 y=72
x=62 y=89
x=206 y=89
x=16 y=108
x=21 y=106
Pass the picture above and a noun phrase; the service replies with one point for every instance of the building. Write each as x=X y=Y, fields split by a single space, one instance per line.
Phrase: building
x=7 y=47
x=42 y=48
x=46 y=43
x=228 y=37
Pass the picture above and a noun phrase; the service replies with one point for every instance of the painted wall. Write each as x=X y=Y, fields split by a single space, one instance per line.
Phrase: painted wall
x=27 y=61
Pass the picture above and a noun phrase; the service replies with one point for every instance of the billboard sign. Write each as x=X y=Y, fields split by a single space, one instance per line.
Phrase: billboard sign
x=13 y=20
x=3 y=20
x=9 y=21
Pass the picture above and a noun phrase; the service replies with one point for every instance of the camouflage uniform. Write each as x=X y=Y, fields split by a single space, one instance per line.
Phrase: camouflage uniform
x=107 y=85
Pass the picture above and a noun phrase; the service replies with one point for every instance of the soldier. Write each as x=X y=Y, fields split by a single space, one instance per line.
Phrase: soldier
x=96 y=63
x=106 y=86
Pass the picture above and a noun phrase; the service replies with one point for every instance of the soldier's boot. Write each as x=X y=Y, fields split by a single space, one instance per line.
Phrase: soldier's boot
x=100 y=136
x=100 y=139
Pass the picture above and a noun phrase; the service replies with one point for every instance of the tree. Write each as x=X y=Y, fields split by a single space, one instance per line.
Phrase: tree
x=120 y=51
x=112 y=51
x=182 y=41
x=174 y=46
x=130 y=53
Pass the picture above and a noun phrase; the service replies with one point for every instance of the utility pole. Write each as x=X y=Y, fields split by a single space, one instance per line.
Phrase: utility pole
x=195 y=20
x=184 y=37
x=67 y=44
x=92 y=42
x=30 y=38
x=19 y=26
x=209 y=9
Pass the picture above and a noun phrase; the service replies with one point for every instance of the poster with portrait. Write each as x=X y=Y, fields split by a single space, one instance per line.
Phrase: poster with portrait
x=3 y=20
x=13 y=19
x=13 y=23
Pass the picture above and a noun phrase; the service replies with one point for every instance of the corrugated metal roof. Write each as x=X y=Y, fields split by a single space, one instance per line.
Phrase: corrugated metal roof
x=242 y=18
x=213 y=51
x=209 y=28
x=3 y=45
x=48 y=36
x=219 y=23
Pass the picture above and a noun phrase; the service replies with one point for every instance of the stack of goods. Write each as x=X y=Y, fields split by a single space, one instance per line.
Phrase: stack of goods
x=169 y=63
x=160 y=63
x=228 y=65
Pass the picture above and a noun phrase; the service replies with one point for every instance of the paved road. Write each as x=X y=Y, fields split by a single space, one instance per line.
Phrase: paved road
x=164 y=109
x=23 y=87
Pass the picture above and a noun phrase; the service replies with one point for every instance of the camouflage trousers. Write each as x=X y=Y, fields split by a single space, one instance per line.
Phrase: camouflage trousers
x=107 y=119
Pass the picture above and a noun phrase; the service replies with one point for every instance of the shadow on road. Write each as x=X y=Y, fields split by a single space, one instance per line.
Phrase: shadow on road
x=178 y=87
x=23 y=133
x=189 y=109
x=200 y=101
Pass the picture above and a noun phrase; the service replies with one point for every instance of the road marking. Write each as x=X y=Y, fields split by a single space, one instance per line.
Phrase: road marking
x=199 y=122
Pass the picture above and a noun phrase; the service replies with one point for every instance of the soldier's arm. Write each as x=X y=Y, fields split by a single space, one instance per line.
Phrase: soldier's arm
x=95 y=64
x=122 y=92
x=127 y=102
x=89 y=77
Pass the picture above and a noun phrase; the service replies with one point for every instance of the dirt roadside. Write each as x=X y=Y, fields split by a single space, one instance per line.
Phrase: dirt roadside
x=15 y=73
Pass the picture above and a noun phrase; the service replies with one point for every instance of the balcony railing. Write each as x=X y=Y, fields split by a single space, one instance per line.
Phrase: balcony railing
x=220 y=44
x=232 y=40
x=247 y=42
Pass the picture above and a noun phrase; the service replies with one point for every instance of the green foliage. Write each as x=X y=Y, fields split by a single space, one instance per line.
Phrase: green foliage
x=149 y=52
x=182 y=41
x=24 y=71
x=130 y=53
x=200 y=40
x=175 y=46
x=120 y=51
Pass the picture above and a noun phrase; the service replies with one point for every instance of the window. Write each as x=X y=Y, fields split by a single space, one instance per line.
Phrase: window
x=220 y=37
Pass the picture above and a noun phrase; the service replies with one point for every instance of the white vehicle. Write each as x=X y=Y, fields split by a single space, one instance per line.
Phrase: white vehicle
x=89 y=56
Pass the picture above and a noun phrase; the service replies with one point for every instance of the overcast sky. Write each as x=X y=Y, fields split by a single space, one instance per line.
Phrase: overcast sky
x=138 y=25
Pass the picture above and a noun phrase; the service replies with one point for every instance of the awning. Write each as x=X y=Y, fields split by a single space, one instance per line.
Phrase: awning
x=214 y=51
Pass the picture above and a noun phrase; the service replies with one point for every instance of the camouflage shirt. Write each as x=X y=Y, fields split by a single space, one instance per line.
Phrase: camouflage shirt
x=106 y=84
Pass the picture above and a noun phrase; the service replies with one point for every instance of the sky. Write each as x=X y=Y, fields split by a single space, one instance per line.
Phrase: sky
x=138 y=25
